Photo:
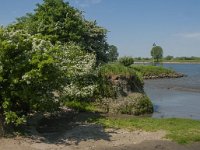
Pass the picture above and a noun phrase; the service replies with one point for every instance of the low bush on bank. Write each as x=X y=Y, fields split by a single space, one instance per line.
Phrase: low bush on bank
x=134 y=104
x=126 y=61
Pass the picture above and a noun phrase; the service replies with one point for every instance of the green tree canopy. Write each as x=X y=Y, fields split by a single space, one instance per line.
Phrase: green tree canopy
x=169 y=57
x=56 y=20
x=112 y=53
x=157 y=52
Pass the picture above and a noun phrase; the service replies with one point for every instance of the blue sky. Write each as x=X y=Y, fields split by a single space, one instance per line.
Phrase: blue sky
x=134 y=25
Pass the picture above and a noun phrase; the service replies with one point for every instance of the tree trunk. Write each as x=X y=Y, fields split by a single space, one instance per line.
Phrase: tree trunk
x=2 y=127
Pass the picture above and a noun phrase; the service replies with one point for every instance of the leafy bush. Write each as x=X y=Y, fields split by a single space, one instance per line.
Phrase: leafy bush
x=34 y=72
x=126 y=61
x=41 y=65
x=105 y=88
x=134 y=104
x=143 y=105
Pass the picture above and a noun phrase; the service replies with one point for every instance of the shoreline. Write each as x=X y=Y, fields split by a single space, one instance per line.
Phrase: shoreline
x=181 y=62
x=164 y=76
x=167 y=62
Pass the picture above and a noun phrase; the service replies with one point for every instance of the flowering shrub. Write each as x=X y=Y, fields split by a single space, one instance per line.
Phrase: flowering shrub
x=32 y=70
x=47 y=57
x=80 y=71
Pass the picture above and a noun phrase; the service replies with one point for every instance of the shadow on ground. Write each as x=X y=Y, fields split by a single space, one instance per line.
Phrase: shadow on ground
x=65 y=128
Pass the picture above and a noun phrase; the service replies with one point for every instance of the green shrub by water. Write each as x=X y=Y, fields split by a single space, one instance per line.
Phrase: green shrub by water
x=133 y=104
x=126 y=61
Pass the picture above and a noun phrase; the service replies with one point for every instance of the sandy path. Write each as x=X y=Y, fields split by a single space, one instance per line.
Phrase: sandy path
x=94 y=137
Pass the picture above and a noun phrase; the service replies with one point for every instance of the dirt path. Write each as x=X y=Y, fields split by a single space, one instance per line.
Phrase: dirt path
x=61 y=134
x=94 y=137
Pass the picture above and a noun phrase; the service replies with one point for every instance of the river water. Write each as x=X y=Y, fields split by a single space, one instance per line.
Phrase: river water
x=176 y=98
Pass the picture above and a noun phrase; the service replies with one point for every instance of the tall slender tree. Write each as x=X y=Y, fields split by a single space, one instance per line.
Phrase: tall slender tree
x=112 y=54
x=157 y=53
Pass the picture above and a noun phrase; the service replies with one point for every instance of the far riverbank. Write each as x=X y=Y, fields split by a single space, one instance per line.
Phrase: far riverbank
x=166 y=62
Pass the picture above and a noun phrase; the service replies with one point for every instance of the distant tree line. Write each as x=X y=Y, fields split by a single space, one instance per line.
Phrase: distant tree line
x=181 y=58
x=169 y=57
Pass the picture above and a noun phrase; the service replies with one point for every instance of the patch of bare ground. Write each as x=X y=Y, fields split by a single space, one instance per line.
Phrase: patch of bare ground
x=73 y=132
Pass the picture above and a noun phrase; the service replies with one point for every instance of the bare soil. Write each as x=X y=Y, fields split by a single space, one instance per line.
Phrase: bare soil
x=71 y=131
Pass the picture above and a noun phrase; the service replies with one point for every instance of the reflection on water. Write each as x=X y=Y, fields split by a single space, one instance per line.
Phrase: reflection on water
x=176 y=97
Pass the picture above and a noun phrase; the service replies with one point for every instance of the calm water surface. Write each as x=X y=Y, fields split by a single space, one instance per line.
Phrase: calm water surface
x=178 y=98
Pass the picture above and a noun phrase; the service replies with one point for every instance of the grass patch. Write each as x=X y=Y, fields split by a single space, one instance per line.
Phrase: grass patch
x=82 y=106
x=116 y=69
x=179 y=130
x=147 y=70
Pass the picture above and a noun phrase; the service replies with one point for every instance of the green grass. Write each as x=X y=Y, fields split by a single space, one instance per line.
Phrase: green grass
x=182 y=131
x=82 y=106
x=147 y=70
x=179 y=130
x=116 y=69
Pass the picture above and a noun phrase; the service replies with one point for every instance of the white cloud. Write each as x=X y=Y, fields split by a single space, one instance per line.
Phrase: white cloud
x=87 y=3
x=194 y=35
